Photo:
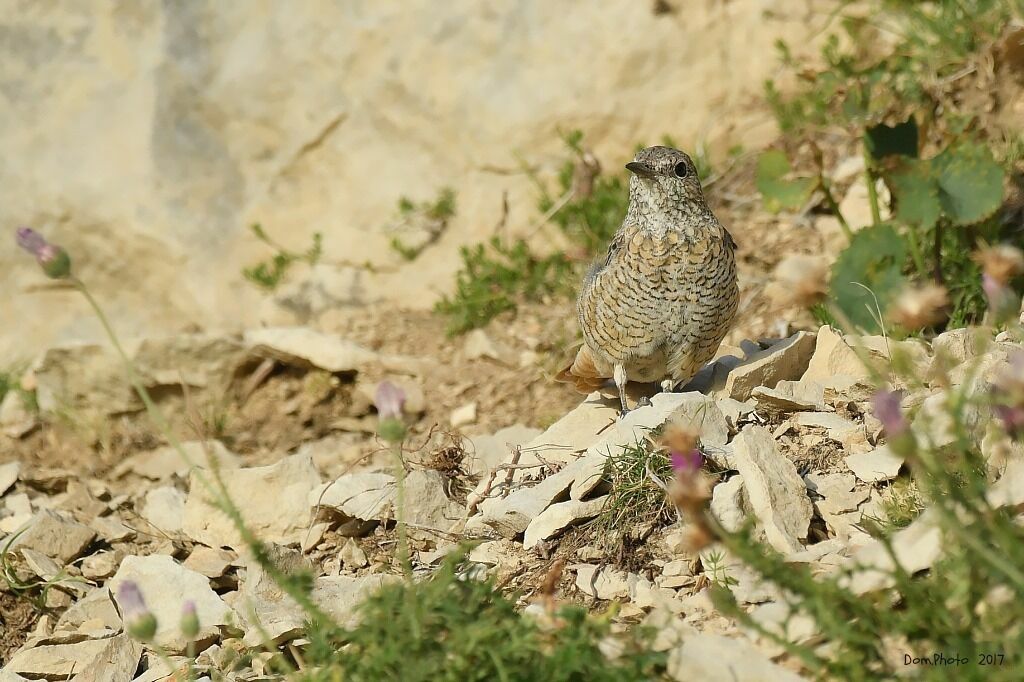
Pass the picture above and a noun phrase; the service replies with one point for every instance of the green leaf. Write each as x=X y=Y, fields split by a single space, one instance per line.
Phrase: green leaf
x=777 y=192
x=971 y=183
x=899 y=140
x=869 y=269
x=916 y=191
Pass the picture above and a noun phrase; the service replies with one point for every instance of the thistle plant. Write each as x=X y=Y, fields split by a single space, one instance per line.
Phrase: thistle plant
x=390 y=401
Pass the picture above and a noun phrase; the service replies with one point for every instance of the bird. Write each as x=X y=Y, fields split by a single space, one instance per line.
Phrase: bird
x=657 y=307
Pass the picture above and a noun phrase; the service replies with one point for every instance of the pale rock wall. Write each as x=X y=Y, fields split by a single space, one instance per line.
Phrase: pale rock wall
x=147 y=136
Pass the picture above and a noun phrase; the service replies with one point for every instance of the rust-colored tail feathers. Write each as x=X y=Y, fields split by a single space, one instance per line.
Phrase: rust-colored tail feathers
x=583 y=372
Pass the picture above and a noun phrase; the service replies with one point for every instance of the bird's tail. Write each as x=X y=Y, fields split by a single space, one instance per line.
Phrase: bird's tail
x=583 y=372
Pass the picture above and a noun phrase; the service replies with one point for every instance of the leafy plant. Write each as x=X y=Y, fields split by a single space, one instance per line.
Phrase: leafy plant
x=431 y=217
x=269 y=273
x=454 y=627
x=942 y=205
x=494 y=277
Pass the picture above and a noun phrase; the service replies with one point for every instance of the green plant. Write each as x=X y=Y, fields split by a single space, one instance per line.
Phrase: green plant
x=432 y=217
x=494 y=277
x=637 y=499
x=269 y=273
x=944 y=203
x=452 y=626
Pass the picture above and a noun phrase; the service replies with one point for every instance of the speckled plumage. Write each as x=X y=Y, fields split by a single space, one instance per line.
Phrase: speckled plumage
x=657 y=307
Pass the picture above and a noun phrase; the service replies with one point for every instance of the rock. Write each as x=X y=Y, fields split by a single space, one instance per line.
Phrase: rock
x=881 y=464
x=213 y=563
x=479 y=345
x=571 y=435
x=166 y=585
x=304 y=347
x=916 y=548
x=513 y=514
x=164 y=462
x=952 y=349
x=839 y=428
x=834 y=364
x=117 y=661
x=100 y=566
x=556 y=518
x=704 y=656
x=352 y=555
x=1008 y=491
x=855 y=206
x=609 y=583
x=56 y=661
x=490 y=451
x=55 y=535
x=372 y=497
x=288 y=483
x=702 y=413
x=727 y=503
x=16 y=419
x=164 y=507
x=366 y=496
x=110 y=529
x=270 y=613
x=774 y=489
x=8 y=476
x=786 y=360
x=463 y=415
x=735 y=410
x=41 y=565
x=790 y=396
x=97 y=606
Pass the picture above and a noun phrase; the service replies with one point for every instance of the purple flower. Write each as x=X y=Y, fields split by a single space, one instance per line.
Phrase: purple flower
x=139 y=622
x=54 y=260
x=1012 y=419
x=189 y=620
x=686 y=462
x=389 y=400
x=887 y=408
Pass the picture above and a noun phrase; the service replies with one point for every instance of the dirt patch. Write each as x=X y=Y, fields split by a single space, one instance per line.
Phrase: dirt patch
x=17 y=618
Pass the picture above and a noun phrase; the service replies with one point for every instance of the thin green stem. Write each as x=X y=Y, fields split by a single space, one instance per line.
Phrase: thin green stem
x=916 y=253
x=834 y=206
x=869 y=174
x=403 y=533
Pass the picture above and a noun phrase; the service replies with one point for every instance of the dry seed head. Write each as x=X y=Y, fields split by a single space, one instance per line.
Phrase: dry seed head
x=1001 y=262
x=920 y=306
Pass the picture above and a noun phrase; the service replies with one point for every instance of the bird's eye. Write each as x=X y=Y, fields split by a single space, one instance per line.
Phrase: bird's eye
x=681 y=170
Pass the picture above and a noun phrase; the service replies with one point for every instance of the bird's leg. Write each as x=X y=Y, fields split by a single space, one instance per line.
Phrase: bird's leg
x=668 y=386
x=619 y=377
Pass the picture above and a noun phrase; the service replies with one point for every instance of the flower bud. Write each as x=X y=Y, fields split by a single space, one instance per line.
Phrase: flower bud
x=139 y=622
x=389 y=400
x=55 y=261
x=189 y=620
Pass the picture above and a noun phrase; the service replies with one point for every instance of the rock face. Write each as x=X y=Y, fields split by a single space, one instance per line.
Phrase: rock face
x=150 y=136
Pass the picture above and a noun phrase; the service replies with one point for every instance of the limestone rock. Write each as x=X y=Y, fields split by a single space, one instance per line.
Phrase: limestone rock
x=463 y=415
x=304 y=347
x=479 y=344
x=117 y=661
x=166 y=585
x=164 y=507
x=704 y=656
x=273 y=501
x=881 y=464
x=164 y=462
x=362 y=496
x=352 y=555
x=8 y=475
x=560 y=516
x=491 y=450
x=786 y=360
x=56 y=661
x=916 y=548
x=213 y=563
x=727 y=503
x=775 y=491
x=790 y=396
x=55 y=535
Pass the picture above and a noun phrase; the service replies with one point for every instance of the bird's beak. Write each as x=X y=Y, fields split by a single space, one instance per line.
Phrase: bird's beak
x=640 y=169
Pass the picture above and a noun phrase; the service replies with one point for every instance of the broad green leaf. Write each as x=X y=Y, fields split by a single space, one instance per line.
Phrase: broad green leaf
x=971 y=183
x=869 y=268
x=916 y=192
x=777 y=192
x=899 y=140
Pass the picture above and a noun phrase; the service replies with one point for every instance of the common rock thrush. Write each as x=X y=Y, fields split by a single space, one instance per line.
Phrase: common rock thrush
x=658 y=305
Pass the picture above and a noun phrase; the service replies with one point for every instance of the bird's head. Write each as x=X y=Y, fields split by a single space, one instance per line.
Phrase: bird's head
x=664 y=177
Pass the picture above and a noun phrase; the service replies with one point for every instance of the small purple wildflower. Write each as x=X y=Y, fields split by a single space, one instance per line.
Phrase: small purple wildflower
x=686 y=463
x=389 y=400
x=887 y=408
x=189 y=620
x=54 y=260
x=139 y=622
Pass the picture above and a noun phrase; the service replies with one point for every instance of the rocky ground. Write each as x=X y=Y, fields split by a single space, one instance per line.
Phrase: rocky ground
x=90 y=498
